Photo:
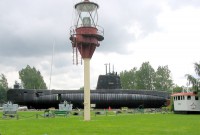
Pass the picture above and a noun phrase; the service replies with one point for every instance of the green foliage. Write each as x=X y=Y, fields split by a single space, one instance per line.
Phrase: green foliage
x=3 y=88
x=197 y=68
x=195 y=82
x=177 y=89
x=81 y=88
x=2 y=94
x=171 y=105
x=146 y=78
x=31 y=78
x=163 y=79
x=3 y=81
x=128 y=79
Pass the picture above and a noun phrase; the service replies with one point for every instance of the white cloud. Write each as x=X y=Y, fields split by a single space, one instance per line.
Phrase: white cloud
x=161 y=32
x=177 y=45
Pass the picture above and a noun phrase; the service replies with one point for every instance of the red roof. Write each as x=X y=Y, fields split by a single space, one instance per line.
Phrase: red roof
x=184 y=94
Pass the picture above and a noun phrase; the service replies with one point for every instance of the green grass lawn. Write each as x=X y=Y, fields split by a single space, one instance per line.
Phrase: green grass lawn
x=131 y=124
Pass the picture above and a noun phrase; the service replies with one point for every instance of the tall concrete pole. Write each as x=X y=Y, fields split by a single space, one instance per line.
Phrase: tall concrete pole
x=86 y=89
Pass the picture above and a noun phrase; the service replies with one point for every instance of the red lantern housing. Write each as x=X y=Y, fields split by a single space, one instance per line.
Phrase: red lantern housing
x=86 y=35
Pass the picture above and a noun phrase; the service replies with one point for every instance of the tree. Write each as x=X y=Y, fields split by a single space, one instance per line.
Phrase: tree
x=3 y=88
x=145 y=77
x=195 y=82
x=163 y=79
x=81 y=88
x=128 y=79
x=177 y=89
x=31 y=78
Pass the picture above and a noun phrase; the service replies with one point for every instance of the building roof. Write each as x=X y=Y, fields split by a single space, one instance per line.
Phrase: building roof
x=184 y=94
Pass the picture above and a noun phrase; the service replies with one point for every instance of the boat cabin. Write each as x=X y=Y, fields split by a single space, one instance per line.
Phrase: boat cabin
x=186 y=102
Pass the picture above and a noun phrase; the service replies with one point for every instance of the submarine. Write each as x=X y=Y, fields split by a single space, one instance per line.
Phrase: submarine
x=108 y=93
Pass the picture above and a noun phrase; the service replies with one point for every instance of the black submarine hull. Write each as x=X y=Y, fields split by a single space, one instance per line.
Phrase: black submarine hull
x=42 y=99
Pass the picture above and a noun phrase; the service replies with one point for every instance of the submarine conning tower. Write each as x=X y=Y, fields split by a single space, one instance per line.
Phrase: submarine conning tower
x=111 y=80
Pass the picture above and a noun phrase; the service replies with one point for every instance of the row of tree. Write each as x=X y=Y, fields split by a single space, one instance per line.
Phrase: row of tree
x=147 y=78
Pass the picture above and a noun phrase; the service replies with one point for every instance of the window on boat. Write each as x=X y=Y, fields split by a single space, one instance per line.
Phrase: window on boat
x=196 y=98
x=188 y=97
x=174 y=98
x=179 y=98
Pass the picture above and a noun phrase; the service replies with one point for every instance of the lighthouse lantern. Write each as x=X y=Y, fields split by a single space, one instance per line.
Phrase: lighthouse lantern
x=86 y=14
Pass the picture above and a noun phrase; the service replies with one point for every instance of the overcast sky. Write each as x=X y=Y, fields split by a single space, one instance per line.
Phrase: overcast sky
x=163 y=32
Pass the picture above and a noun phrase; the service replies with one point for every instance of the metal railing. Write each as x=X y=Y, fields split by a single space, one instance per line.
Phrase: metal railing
x=100 y=30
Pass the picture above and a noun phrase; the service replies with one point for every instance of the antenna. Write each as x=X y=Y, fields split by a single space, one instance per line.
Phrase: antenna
x=52 y=58
x=106 y=68
x=109 y=68
x=113 y=69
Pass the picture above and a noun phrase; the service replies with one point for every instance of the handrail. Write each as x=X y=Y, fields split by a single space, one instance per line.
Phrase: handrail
x=100 y=30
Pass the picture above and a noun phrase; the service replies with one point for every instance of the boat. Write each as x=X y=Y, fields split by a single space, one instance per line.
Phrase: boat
x=186 y=102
